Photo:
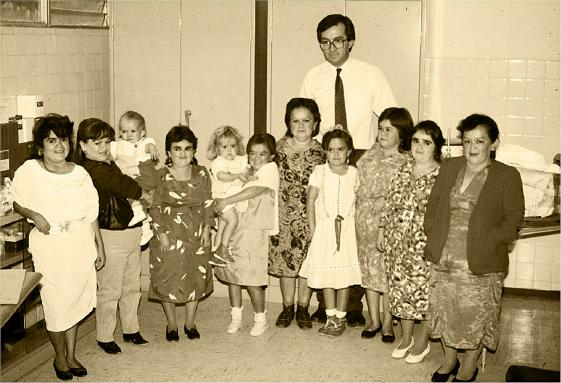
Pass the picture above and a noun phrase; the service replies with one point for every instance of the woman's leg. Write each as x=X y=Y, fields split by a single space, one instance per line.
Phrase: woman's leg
x=288 y=290
x=169 y=310
x=190 y=311
x=407 y=326
x=304 y=292
x=70 y=336
x=373 y=303
x=422 y=339
x=450 y=357
x=58 y=340
x=257 y=297
x=469 y=363
x=235 y=295
x=387 y=327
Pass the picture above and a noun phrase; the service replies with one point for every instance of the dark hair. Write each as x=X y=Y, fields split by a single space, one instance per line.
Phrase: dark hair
x=61 y=126
x=177 y=134
x=474 y=120
x=263 y=139
x=335 y=19
x=91 y=129
x=135 y=116
x=337 y=133
x=300 y=102
x=400 y=118
x=433 y=130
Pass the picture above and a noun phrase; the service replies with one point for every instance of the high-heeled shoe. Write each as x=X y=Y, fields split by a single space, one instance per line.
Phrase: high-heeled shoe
x=470 y=380
x=439 y=377
x=191 y=333
x=369 y=334
x=172 y=336
x=412 y=359
x=401 y=353
x=62 y=375
x=79 y=371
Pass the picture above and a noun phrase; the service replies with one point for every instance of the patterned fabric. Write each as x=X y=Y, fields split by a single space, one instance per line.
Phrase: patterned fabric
x=464 y=307
x=288 y=248
x=402 y=219
x=375 y=173
x=181 y=209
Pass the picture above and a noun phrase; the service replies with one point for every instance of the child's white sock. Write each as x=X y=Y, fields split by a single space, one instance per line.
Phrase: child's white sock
x=330 y=312
x=340 y=314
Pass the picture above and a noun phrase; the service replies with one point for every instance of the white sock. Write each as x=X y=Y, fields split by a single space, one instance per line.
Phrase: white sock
x=341 y=314
x=330 y=312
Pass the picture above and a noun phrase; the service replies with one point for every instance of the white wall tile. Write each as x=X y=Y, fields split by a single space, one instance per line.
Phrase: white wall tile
x=498 y=69
x=535 y=88
x=524 y=283
x=516 y=88
x=479 y=86
x=533 y=126
x=535 y=69
x=515 y=107
x=533 y=107
x=525 y=250
x=497 y=106
x=542 y=272
x=552 y=70
x=517 y=69
x=542 y=285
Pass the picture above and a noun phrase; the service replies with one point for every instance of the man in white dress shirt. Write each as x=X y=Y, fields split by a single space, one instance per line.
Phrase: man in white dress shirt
x=364 y=93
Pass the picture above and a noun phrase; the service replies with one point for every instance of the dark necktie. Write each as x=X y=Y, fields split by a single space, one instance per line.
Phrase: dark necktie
x=340 y=112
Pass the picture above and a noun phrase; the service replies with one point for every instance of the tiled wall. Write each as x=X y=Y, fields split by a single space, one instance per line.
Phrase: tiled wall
x=69 y=67
x=522 y=95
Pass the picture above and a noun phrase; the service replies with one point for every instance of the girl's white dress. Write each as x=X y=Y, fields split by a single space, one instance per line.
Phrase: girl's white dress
x=222 y=189
x=66 y=256
x=324 y=266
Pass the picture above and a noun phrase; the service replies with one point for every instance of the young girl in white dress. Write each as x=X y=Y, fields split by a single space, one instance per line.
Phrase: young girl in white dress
x=332 y=260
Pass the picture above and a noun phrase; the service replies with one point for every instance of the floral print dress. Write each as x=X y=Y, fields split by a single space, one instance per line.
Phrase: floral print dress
x=374 y=173
x=181 y=209
x=405 y=240
x=288 y=248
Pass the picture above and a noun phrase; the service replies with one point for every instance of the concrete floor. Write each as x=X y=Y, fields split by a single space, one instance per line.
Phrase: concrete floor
x=530 y=336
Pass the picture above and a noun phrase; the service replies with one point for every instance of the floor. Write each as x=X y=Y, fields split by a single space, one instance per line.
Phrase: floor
x=529 y=336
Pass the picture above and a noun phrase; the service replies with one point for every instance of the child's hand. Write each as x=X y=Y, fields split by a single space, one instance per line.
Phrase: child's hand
x=164 y=242
x=153 y=150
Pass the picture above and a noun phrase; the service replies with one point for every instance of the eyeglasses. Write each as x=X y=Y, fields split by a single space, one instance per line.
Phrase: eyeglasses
x=337 y=43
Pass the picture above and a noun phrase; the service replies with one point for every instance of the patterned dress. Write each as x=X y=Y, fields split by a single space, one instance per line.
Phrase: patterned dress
x=374 y=173
x=181 y=209
x=464 y=307
x=405 y=240
x=288 y=248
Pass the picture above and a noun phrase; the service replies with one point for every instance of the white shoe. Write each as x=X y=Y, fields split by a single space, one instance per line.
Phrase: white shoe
x=400 y=353
x=147 y=233
x=411 y=359
x=236 y=323
x=260 y=325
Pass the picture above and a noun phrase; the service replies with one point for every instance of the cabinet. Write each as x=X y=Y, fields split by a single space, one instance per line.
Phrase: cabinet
x=25 y=331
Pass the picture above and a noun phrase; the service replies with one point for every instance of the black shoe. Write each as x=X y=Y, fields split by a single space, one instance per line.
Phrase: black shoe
x=369 y=334
x=388 y=338
x=79 y=371
x=470 y=380
x=109 y=347
x=319 y=316
x=355 y=319
x=192 y=333
x=62 y=375
x=135 y=338
x=286 y=316
x=172 y=336
x=303 y=317
x=438 y=377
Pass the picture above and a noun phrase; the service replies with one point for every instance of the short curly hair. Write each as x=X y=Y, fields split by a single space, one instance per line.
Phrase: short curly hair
x=61 y=126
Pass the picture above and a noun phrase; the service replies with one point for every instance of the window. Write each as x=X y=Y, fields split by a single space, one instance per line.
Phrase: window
x=54 y=13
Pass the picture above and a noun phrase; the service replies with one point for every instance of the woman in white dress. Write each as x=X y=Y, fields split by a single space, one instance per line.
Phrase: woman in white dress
x=60 y=199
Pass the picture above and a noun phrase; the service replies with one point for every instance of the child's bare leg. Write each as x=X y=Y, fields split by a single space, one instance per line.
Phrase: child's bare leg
x=219 y=232
x=230 y=218
x=342 y=300
x=330 y=300
x=257 y=296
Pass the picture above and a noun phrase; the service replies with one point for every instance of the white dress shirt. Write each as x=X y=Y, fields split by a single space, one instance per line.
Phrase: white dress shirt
x=367 y=92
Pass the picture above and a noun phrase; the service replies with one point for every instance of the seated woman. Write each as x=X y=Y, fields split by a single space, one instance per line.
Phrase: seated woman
x=474 y=211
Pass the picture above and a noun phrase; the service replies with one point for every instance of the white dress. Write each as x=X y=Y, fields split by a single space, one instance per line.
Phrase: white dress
x=222 y=189
x=66 y=256
x=325 y=266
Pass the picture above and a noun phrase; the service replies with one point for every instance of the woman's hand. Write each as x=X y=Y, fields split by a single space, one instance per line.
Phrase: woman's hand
x=164 y=242
x=100 y=260
x=378 y=205
x=41 y=223
x=380 y=239
x=205 y=237
x=219 y=205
